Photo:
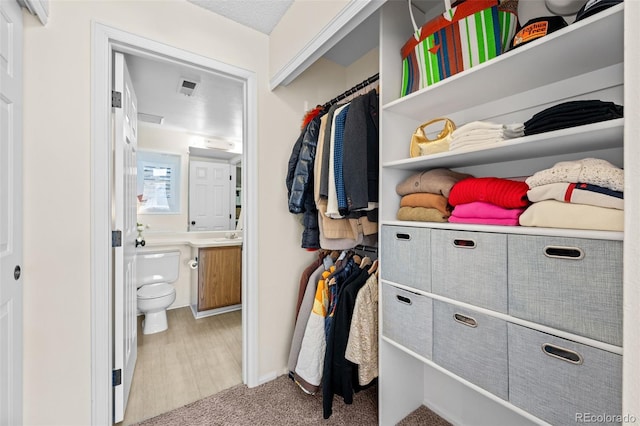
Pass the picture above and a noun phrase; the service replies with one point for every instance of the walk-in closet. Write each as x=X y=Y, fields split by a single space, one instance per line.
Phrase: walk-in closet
x=513 y=319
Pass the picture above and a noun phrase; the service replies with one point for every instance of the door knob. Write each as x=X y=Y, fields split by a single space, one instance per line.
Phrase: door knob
x=16 y=272
x=193 y=222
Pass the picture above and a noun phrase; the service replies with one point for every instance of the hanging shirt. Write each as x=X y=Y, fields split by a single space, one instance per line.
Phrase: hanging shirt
x=337 y=166
x=332 y=199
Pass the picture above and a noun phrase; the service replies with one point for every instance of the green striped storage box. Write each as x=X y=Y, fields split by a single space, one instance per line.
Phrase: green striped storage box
x=462 y=37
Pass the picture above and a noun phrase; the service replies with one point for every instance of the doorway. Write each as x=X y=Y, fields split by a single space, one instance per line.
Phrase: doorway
x=105 y=40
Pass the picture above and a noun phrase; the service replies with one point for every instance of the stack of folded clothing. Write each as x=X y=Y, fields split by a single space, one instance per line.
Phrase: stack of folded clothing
x=570 y=114
x=582 y=194
x=488 y=201
x=483 y=134
x=425 y=195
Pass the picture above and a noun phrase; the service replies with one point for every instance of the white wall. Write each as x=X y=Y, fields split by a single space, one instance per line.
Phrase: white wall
x=302 y=22
x=363 y=68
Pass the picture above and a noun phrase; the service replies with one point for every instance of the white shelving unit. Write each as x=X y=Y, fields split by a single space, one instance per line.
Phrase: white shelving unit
x=582 y=61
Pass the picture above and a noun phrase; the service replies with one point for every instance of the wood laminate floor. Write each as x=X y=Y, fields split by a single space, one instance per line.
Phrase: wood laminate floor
x=189 y=361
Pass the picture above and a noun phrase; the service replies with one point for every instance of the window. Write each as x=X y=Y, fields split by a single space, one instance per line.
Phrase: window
x=158 y=183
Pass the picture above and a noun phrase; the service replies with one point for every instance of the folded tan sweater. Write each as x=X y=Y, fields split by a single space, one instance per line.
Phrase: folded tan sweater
x=421 y=214
x=426 y=199
x=435 y=181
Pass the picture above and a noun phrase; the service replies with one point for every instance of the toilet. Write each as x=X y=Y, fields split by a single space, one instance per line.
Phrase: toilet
x=155 y=271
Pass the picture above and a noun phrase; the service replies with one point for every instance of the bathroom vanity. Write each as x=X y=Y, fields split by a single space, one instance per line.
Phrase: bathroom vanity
x=210 y=279
x=216 y=283
x=219 y=277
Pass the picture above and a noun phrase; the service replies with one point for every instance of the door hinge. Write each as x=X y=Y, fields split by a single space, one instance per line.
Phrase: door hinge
x=229 y=177
x=116 y=99
x=116 y=377
x=116 y=238
x=229 y=215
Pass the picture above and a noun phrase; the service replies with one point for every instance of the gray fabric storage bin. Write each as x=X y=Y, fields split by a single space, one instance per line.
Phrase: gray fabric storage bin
x=405 y=256
x=470 y=267
x=471 y=345
x=556 y=390
x=571 y=284
x=407 y=319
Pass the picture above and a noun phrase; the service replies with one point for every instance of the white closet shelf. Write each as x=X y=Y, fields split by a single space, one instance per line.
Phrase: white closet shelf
x=590 y=137
x=521 y=230
x=582 y=47
x=477 y=388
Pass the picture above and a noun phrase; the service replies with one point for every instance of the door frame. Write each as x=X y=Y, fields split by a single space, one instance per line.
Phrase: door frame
x=105 y=39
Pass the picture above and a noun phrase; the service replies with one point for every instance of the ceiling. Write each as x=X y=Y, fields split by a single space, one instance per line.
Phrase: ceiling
x=261 y=15
x=215 y=108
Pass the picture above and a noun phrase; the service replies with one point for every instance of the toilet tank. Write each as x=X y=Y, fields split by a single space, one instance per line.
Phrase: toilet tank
x=156 y=267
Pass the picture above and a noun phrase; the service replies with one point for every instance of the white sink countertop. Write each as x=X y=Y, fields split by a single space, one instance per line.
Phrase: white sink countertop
x=194 y=239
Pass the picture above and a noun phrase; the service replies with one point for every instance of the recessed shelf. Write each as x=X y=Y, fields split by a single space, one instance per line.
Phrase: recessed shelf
x=588 y=45
x=596 y=136
x=506 y=317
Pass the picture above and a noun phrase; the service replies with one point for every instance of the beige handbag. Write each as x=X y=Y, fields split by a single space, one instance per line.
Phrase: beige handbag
x=421 y=145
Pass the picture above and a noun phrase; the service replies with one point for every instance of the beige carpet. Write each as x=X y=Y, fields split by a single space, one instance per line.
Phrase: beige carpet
x=281 y=402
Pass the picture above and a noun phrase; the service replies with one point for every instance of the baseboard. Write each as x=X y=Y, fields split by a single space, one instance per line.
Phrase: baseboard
x=267 y=378
x=202 y=314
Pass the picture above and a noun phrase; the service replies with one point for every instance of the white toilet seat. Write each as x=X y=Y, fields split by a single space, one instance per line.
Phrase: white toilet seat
x=155 y=291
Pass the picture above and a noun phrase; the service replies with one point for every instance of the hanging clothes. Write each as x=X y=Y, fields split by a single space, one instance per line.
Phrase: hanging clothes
x=348 y=188
x=334 y=167
x=362 y=346
x=300 y=183
x=308 y=284
x=335 y=162
x=335 y=158
x=308 y=369
x=361 y=137
x=339 y=373
x=326 y=151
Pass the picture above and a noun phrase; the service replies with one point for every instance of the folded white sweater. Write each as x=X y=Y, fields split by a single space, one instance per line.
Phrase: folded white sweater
x=595 y=171
x=478 y=134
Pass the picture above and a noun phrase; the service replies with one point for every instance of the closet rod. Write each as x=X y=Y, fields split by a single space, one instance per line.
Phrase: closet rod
x=353 y=90
x=370 y=249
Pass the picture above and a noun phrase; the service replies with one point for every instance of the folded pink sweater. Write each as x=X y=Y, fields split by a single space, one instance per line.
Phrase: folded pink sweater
x=484 y=221
x=481 y=209
x=484 y=213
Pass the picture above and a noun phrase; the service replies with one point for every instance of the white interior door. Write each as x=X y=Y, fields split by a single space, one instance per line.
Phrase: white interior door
x=10 y=213
x=209 y=196
x=124 y=220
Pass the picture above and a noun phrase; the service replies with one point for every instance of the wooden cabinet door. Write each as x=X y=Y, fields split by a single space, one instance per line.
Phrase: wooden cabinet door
x=219 y=277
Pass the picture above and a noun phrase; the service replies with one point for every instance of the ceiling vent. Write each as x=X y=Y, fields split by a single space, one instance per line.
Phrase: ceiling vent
x=187 y=87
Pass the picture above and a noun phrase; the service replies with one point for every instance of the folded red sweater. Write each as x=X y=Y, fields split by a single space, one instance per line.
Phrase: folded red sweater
x=502 y=192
